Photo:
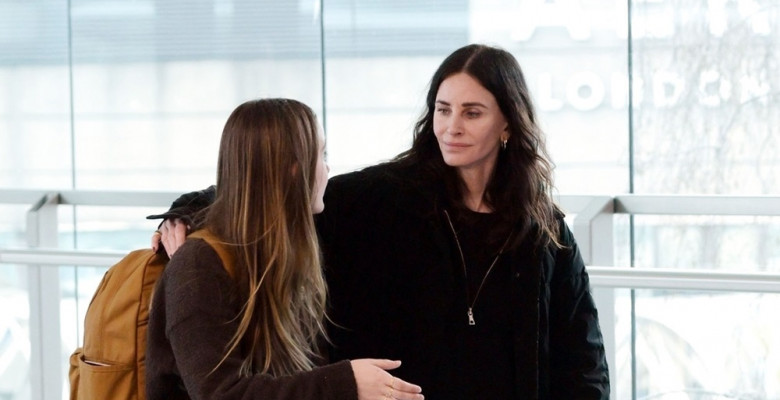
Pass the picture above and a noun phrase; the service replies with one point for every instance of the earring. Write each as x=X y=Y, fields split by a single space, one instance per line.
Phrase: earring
x=503 y=144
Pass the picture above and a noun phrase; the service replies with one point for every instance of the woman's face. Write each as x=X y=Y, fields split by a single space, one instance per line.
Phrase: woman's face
x=468 y=124
x=321 y=178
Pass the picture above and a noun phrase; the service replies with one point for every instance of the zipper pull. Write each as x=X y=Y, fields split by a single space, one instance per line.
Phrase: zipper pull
x=471 y=317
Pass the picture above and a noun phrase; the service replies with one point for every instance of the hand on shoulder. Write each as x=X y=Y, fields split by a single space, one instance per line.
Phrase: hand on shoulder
x=172 y=234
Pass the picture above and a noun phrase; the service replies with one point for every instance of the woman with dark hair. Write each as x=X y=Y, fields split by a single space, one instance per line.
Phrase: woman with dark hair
x=453 y=256
x=250 y=330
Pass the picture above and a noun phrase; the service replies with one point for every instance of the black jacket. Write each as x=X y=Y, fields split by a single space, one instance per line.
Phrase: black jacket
x=394 y=293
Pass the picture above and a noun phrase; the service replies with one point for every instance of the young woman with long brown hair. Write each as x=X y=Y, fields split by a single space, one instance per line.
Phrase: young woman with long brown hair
x=253 y=332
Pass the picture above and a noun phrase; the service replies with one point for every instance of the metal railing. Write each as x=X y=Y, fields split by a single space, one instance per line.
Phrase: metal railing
x=600 y=276
x=592 y=227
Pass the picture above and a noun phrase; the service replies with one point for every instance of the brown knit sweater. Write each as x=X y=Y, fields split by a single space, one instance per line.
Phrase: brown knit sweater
x=191 y=321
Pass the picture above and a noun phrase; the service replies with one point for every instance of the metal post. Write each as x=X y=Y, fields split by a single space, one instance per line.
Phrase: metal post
x=593 y=229
x=44 y=288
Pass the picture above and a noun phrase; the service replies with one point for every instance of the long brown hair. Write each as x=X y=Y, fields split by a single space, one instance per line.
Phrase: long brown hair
x=265 y=183
x=520 y=189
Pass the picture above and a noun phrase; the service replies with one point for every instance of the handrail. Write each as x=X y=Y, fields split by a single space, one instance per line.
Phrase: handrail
x=655 y=204
x=91 y=197
x=55 y=257
x=684 y=279
x=697 y=205
x=612 y=277
x=588 y=207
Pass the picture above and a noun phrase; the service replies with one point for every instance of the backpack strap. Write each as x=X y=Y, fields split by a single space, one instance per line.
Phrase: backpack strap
x=222 y=248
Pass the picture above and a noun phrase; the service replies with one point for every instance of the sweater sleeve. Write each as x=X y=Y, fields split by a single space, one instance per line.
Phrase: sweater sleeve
x=578 y=360
x=200 y=309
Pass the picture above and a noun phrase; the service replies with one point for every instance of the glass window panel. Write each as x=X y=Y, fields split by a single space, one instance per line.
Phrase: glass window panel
x=707 y=114
x=622 y=239
x=379 y=57
x=15 y=349
x=154 y=82
x=14 y=320
x=34 y=95
x=15 y=311
x=576 y=72
x=707 y=345
x=394 y=27
x=620 y=366
x=14 y=333
x=12 y=225
x=112 y=228
x=368 y=119
x=574 y=58
x=738 y=244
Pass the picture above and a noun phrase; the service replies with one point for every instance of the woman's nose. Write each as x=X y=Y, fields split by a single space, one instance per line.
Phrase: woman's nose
x=455 y=126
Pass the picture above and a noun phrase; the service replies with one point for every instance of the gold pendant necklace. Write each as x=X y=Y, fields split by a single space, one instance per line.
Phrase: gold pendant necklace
x=470 y=310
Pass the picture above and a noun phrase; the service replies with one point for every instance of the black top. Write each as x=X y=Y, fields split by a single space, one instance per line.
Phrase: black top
x=485 y=342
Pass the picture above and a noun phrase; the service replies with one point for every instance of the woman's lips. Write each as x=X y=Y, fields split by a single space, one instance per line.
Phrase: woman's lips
x=455 y=145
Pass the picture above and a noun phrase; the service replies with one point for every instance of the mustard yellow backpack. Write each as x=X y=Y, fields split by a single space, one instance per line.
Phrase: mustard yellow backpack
x=111 y=363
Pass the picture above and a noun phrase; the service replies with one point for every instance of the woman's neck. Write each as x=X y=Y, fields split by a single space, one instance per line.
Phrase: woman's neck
x=475 y=182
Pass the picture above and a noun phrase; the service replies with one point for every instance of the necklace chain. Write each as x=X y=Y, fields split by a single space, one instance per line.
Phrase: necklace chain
x=470 y=311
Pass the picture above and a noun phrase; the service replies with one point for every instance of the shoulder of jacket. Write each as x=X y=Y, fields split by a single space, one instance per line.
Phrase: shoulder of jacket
x=375 y=174
x=372 y=184
x=195 y=257
x=223 y=250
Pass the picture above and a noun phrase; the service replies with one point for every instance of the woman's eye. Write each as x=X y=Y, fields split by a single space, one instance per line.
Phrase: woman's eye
x=443 y=110
x=473 y=114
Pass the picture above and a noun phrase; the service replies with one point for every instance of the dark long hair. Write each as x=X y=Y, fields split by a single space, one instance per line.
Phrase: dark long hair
x=520 y=188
